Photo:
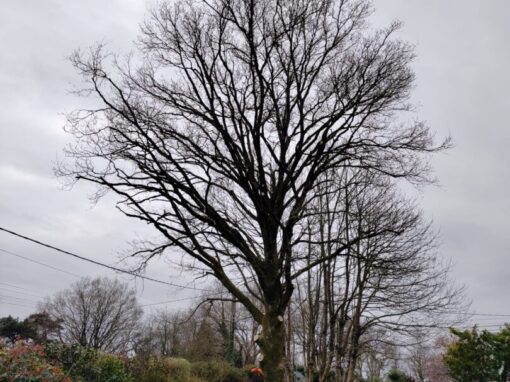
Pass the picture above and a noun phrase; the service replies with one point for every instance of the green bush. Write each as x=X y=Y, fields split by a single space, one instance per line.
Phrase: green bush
x=217 y=371
x=147 y=369
x=196 y=379
x=26 y=362
x=78 y=362
x=88 y=365
x=160 y=369
x=212 y=371
x=111 y=368
x=235 y=375
x=179 y=369
x=396 y=375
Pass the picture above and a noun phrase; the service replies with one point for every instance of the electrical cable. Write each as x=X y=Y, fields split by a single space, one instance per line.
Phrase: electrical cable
x=111 y=267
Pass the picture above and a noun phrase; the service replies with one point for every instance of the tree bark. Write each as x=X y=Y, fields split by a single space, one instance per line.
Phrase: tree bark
x=272 y=346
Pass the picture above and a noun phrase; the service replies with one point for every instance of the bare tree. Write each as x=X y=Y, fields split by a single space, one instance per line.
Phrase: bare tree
x=435 y=367
x=392 y=279
x=160 y=334
x=220 y=136
x=100 y=313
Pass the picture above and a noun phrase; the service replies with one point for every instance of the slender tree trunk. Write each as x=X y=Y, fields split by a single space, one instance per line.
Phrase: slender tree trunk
x=289 y=354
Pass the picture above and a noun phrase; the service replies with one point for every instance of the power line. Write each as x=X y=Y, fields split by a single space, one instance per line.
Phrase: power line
x=120 y=270
x=61 y=270
x=180 y=299
x=23 y=305
x=477 y=314
x=14 y=286
x=482 y=326
x=37 y=262
x=2 y=289
x=17 y=299
x=168 y=301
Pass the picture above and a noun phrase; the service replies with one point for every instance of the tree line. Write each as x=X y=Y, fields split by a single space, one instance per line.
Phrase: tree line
x=104 y=314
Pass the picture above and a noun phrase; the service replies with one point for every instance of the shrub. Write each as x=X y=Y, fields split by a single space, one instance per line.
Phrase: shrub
x=396 y=375
x=88 y=365
x=78 y=362
x=26 y=362
x=235 y=375
x=160 y=369
x=147 y=369
x=111 y=368
x=218 y=371
x=212 y=371
x=179 y=369
x=196 y=379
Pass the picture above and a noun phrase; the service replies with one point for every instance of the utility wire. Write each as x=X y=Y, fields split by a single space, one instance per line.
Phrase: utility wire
x=15 y=286
x=38 y=262
x=17 y=299
x=12 y=303
x=120 y=270
x=73 y=274
x=476 y=314
x=181 y=299
x=3 y=290
x=125 y=271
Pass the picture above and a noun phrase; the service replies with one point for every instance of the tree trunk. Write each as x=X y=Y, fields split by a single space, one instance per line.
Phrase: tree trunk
x=272 y=346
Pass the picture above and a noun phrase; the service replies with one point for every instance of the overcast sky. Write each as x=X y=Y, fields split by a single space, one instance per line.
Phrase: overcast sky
x=463 y=78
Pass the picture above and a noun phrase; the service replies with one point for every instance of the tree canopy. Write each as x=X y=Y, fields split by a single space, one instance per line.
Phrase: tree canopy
x=223 y=129
x=99 y=313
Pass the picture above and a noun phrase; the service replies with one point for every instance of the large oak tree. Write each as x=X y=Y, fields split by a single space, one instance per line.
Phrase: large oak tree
x=220 y=131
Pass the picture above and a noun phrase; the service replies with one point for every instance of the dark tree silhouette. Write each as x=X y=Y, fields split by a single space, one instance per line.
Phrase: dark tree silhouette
x=219 y=134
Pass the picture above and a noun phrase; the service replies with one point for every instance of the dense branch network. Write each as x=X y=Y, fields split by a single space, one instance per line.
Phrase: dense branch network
x=222 y=136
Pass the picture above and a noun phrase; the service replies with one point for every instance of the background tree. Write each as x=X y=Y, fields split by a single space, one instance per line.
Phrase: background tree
x=39 y=327
x=220 y=137
x=215 y=329
x=12 y=329
x=44 y=327
x=479 y=356
x=392 y=281
x=436 y=369
x=100 y=313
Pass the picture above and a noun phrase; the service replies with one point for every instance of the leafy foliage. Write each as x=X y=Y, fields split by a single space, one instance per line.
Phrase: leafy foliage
x=111 y=368
x=77 y=361
x=90 y=365
x=160 y=369
x=396 y=375
x=210 y=371
x=218 y=371
x=12 y=328
x=479 y=356
x=26 y=362
x=37 y=327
